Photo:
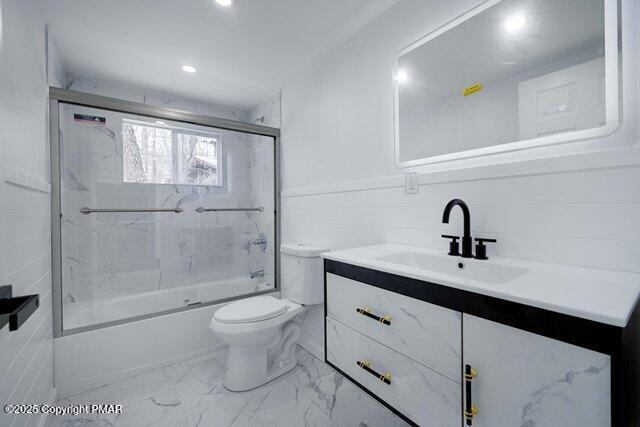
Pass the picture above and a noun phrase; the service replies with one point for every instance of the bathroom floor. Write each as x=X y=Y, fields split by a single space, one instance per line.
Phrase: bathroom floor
x=191 y=393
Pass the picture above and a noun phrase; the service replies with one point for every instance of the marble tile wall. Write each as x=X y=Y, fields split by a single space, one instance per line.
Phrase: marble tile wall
x=108 y=255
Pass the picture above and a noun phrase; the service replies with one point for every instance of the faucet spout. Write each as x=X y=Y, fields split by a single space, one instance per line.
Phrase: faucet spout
x=466 y=215
x=467 y=242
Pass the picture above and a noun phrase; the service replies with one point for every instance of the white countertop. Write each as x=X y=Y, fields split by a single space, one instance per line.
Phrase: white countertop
x=605 y=296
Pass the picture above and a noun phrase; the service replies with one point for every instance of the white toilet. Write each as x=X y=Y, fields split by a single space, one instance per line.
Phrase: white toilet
x=262 y=331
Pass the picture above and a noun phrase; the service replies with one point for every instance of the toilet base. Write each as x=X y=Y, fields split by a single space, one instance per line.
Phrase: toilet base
x=249 y=380
x=251 y=367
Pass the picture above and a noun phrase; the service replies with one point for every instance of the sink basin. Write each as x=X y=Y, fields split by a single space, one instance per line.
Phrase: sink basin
x=604 y=296
x=472 y=269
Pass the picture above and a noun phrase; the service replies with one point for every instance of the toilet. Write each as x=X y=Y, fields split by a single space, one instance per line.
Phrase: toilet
x=262 y=331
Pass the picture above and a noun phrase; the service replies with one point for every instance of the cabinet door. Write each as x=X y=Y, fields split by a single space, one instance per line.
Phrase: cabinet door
x=427 y=333
x=524 y=379
x=421 y=394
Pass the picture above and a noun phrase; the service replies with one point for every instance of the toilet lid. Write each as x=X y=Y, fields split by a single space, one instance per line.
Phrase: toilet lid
x=251 y=309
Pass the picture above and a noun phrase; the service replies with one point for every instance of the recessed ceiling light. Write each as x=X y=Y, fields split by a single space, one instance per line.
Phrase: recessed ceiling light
x=514 y=22
x=160 y=122
x=189 y=68
x=224 y=2
x=402 y=76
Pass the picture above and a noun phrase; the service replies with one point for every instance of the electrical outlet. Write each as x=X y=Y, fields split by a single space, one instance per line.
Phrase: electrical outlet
x=411 y=183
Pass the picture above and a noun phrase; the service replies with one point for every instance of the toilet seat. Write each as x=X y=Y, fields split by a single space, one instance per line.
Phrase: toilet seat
x=254 y=309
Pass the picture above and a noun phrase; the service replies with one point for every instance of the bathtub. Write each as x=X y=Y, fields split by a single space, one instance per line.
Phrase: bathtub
x=94 y=357
x=95 y=312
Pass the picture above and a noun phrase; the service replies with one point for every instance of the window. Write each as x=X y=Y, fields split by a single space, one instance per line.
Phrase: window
x=168 y=155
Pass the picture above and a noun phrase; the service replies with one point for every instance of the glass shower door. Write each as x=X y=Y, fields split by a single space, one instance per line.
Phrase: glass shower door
x=230 y=239
x=133 y=241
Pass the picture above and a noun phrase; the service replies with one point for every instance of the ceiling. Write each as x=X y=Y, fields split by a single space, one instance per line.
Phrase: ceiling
x=243 y=53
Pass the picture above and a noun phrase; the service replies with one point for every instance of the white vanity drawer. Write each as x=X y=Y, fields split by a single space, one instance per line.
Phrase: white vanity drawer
x=424 y=332
x=424 y=396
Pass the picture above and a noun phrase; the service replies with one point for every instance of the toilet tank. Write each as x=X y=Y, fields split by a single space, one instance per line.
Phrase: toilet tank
x=302 y=273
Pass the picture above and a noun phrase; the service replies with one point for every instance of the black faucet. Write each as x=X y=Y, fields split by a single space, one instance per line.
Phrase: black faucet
x=467 y=241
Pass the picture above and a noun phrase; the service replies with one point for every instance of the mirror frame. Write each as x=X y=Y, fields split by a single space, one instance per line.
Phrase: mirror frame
x=612 y=102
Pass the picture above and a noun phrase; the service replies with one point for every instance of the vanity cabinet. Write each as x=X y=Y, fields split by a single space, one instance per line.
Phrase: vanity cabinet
x=525 y=379
x=441 y=356
x=421 y=394
x=426 y=333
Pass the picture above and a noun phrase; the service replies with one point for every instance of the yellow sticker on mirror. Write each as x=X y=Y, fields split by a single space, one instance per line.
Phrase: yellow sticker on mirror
x=470 y=90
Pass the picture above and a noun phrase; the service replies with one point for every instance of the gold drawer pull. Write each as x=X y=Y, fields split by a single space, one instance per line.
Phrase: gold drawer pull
x=470 y=410
x=471 y=374
x=366 y=365
x=469 y=414
x=385 y=320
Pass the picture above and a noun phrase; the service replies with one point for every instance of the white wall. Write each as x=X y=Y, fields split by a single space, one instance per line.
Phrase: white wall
x=576 y=204
x=26 y=362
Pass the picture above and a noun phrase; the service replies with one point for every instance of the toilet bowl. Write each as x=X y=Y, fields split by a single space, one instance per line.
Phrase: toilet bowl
x=262 y=331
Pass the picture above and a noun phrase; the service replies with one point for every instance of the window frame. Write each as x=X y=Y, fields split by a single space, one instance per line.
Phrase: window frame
x=175 y=131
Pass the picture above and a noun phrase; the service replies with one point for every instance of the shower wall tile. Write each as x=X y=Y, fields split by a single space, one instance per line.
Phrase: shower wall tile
x=158 y=249
x=158 y=99
x=116 y=254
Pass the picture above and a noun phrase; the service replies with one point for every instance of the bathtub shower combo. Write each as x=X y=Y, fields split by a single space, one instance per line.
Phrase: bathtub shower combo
x=157 y=211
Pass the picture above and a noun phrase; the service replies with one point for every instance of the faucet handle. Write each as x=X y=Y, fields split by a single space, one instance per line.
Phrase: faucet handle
x=454 y=246
x=481 y=249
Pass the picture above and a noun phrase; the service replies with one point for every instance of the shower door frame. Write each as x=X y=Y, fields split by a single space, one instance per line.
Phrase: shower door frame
x=57 y=96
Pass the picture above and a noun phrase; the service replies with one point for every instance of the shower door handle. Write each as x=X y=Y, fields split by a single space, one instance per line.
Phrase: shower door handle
x=87 y=211
x=200 y=209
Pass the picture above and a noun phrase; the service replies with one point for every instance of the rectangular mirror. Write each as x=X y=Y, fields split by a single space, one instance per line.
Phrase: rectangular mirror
x=508 y=75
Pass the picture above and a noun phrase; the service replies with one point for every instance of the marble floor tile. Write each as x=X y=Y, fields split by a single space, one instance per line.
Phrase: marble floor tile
x=191 y=394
